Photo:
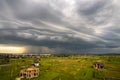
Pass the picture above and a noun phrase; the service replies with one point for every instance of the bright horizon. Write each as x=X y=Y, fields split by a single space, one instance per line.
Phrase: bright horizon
x=12 y=49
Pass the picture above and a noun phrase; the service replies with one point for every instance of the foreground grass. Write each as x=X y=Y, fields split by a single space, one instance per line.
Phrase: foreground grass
x=66 y=68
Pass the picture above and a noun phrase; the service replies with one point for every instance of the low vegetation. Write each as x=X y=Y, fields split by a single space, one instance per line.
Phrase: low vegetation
x=4 y=60
x=65 y=68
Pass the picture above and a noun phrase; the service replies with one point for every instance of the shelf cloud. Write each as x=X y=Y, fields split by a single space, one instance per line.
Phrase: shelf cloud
x=70 y=26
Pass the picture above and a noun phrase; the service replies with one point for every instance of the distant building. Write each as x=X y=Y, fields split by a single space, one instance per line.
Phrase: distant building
x=98 y=65
x=35 y=64
x=29 y=72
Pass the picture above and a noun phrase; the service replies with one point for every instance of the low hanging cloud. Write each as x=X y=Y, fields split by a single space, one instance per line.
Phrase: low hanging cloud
x=61 y=25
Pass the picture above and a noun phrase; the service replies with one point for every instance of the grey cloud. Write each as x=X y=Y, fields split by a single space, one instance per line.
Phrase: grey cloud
x=93 y=7
x=60 y=25
x=31 y=12
x=96 y=12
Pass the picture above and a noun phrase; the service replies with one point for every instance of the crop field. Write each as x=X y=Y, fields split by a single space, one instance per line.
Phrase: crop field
x=65 y=68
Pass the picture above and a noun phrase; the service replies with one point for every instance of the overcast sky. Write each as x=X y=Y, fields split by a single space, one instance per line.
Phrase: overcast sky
x=62 y=25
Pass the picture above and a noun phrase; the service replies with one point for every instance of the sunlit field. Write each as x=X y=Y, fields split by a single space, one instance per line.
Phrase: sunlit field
x=65 y=68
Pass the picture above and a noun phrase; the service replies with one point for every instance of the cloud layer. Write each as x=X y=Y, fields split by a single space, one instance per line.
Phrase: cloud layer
x=72 y=25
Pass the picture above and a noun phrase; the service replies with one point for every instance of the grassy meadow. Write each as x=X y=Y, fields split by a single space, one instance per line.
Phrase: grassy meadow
x=65 y=68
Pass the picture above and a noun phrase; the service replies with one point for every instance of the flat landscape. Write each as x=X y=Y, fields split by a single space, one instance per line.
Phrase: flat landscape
x=65 y=68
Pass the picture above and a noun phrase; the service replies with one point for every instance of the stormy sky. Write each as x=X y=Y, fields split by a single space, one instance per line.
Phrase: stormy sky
x=61 y=26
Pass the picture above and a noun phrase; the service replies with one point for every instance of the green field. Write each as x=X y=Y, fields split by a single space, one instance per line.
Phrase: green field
x=65 y=68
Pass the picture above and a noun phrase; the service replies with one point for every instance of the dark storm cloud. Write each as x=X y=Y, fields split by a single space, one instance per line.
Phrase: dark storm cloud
x=73 y=25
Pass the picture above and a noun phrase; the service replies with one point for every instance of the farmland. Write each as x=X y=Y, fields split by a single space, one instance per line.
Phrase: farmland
x=65 y=68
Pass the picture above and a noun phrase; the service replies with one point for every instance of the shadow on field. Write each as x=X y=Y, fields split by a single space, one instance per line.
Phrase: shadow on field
x=111 y=78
